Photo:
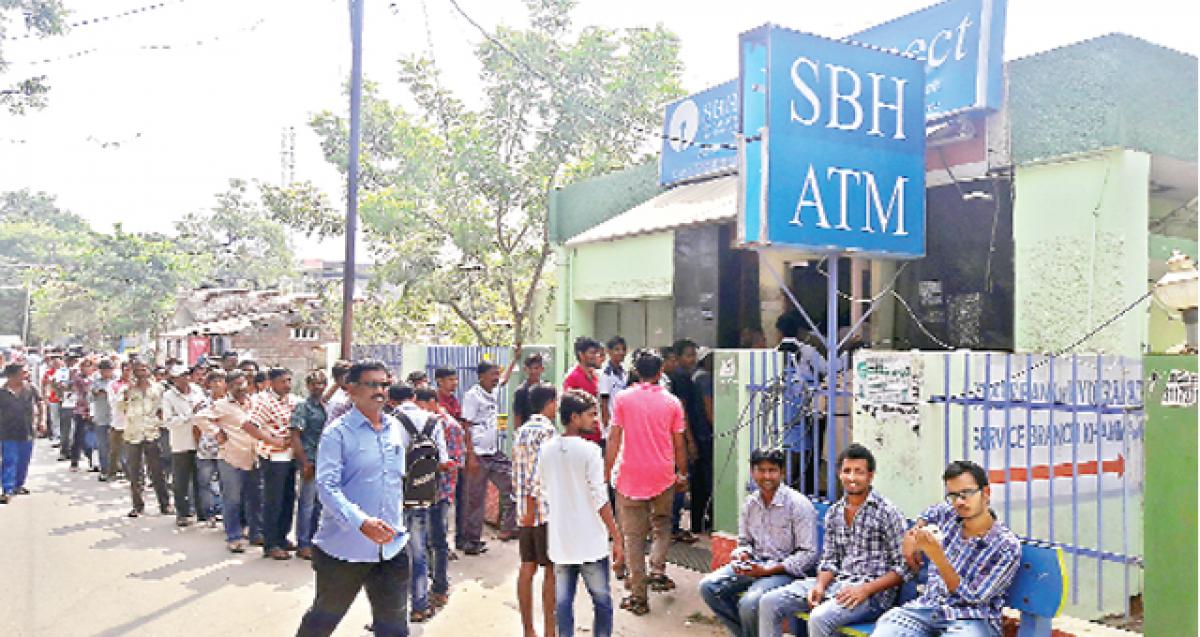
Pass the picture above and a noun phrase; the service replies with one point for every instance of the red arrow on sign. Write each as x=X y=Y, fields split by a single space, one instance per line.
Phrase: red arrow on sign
x=1061 y=470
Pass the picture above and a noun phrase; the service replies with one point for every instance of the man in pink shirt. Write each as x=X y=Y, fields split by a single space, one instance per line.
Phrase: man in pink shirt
x=647 y=435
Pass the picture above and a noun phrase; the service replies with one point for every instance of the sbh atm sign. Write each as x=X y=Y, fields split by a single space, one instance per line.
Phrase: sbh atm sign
x=833 y=146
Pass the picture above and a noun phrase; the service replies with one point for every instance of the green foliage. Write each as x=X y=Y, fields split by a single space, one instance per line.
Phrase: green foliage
x=237 y=242
x=454 y=200
x=40 y=17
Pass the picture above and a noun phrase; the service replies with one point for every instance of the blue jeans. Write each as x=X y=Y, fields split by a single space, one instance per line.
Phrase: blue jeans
x=734 y=598
x=209 y=502
x=238 y=487
x=779 y=605
x=439 y=539
x=102 y=446
x=417 y=522
x=309 y=513
x=16 y=454
x=920 y=622
x=595 y=579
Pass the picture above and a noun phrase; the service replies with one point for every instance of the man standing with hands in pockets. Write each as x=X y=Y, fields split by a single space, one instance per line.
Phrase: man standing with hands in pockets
x=361 y=541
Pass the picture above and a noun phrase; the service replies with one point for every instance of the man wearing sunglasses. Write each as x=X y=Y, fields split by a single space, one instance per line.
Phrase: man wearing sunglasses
x=973 y=556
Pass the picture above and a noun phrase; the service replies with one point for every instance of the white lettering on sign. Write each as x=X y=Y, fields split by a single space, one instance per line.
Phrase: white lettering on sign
x=811 y=197
x=929 y=50
x=845 y=87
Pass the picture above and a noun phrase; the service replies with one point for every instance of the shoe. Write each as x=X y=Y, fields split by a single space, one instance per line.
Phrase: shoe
x=258 y=541
x=686 y=537
x=182 y=522
x=305 y=553
x=438 y=600
x=508 y=536
x=63 y=458
x=93 y=469
x=133 y=513
x=279 y=554
x=4 y=498
x=56 y=444
x=103 y=478
x=477 y=548
x=236 y=546
x=22 y=491
x=452 y=556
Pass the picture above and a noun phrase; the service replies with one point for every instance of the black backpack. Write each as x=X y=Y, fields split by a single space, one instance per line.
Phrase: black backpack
x=420 y=464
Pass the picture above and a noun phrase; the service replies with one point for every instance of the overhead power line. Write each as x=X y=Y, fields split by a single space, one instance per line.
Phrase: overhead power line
x=182 y=43
x=104 y=19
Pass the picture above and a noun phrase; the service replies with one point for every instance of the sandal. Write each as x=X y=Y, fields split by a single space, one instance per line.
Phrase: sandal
x=687 y=537
x=420 y=616
x=660 y=583
x=439 y=600
x=636 y=606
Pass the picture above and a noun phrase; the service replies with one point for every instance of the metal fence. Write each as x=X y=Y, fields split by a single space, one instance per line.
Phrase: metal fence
x=392 y=355
x=1061 y=440
x=464 y=359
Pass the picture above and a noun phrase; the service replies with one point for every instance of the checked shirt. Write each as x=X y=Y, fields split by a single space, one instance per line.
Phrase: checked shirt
x=985 y=565
x=526 y=483
x=867 y=549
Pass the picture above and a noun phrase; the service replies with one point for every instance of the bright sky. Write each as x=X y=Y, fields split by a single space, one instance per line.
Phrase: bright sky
x=187 y=119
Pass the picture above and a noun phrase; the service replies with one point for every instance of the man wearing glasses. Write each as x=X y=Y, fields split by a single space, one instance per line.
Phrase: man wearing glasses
x=361 y=541
x=974 y=560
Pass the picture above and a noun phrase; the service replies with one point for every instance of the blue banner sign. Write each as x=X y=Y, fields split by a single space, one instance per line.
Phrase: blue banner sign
x=699 y=135
x=833 y=151
x=962 y=45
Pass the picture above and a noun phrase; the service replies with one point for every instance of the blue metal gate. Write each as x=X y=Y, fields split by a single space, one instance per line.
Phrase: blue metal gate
x=464 y=359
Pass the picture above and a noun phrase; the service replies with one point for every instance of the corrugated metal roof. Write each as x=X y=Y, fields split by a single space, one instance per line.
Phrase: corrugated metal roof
x=700 y=203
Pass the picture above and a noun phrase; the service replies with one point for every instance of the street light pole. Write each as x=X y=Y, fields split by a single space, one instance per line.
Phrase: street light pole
x=356 y=32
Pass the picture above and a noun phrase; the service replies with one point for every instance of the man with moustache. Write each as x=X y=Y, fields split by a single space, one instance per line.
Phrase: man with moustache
x=861 y=567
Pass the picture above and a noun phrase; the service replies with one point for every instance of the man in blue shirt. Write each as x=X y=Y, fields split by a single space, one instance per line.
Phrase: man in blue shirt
x=361 y=539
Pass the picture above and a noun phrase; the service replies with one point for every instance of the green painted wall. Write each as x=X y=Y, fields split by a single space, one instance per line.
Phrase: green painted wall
x=1170 y=509
x=1079 y=229
x=639 y=267
x=585 y=204
x=1108 y=92
x=731 y=445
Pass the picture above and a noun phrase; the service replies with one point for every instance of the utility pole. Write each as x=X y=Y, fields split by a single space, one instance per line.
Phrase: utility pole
x=356 y=33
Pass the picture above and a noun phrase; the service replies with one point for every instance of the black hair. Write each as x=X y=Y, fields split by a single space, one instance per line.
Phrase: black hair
x=574 y=401
x=260 y=377
x=234 y=375
x=401 y=393
x=484 y=367
x=959 y=467
x=249 y=362
x=13 y=369
x=107 y=364
x=217 y=375
x=278 y=372
x=416 y=376
x=666 y=352
x=648 y=365
x=539 y=395
x=683 y=344
x=764 y=454
x=366 y=365
x=534 y=359
x=615 y=341
x=857 y=452
x=229 y=353
x=585 y=343
x=340 y=369
x=789 y=324
x=426 y=394
x=443 y=372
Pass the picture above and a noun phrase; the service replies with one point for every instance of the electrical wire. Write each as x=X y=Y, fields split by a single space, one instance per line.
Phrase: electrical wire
x=100 y=19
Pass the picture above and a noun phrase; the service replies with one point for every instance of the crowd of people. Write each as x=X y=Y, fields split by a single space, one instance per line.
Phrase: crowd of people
x=364 y=470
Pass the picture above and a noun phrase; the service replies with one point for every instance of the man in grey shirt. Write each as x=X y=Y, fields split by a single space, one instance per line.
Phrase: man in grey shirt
x=777 y=543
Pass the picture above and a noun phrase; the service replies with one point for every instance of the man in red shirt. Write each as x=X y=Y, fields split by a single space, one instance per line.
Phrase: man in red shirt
x=585 y=377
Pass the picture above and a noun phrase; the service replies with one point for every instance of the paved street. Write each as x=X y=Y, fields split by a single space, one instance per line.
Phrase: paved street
x=75 y=566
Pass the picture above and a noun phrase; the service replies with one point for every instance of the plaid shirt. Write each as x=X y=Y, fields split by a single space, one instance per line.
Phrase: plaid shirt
x=525 y=481
x=866 y=550
x=986 y=566
x=783 y=533
x=272 y=413
x=456 y=442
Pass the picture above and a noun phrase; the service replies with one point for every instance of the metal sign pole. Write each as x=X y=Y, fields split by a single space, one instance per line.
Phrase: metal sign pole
x=831 y=368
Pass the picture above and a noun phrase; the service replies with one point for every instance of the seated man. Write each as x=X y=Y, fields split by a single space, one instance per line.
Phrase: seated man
x=861 y=564
x=974 y=560
x=777 y=542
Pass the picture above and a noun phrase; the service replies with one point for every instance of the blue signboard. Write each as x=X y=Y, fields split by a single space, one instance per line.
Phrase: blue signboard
x=698 y=135
x=962 y=45
x=833 y=152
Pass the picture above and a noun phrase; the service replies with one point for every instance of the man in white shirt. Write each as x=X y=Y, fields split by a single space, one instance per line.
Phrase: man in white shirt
x=180 y=404
x=571 y=477
x=485 y=461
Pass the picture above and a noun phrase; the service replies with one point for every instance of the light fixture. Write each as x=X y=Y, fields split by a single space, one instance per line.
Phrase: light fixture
x=1177 y=290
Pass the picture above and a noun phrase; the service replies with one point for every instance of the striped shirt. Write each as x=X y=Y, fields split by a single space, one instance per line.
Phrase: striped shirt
x=526 y=447
x=986 y=566
x=272 y=414
x=867 y=549
x=456 y=442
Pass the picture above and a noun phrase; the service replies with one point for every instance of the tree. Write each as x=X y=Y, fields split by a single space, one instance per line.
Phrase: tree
x=455 y=200
x=42 y=18
x=237 y=241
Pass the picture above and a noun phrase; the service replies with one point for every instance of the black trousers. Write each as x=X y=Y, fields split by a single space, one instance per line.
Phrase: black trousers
x=146 y=452
x=184 y=484
x=701 y=485
x=338 y=583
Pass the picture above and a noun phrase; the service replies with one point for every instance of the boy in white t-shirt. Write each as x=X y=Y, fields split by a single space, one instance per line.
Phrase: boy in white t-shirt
x=580 y=520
